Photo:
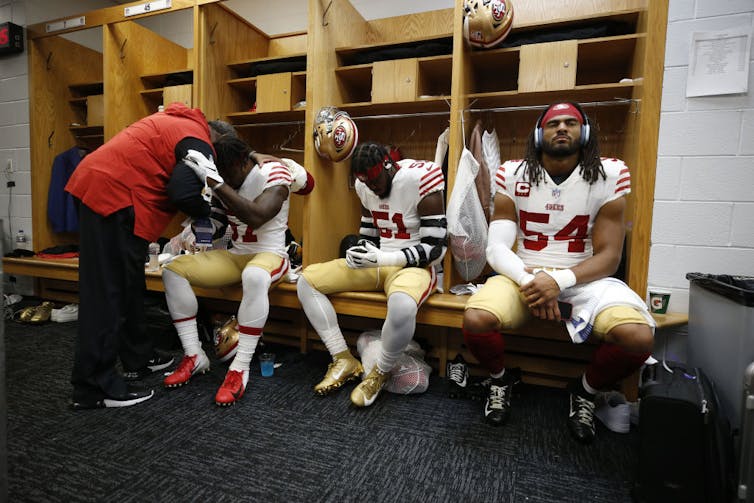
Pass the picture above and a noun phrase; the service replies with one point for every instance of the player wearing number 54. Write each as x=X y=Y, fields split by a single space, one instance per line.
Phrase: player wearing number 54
x=563 y=206
x=403 y=235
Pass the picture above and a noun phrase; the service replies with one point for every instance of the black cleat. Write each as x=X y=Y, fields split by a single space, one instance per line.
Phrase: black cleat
x=581 y=413
x=497 y=407
x=457 y=377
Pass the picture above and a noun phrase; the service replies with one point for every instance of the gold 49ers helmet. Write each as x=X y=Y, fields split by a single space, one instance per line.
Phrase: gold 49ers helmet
x=225 y=339
x=486 y=23
x=335 y=134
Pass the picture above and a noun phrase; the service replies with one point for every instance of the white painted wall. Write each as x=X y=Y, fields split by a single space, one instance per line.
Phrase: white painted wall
x=704 y=198
x=704 y=195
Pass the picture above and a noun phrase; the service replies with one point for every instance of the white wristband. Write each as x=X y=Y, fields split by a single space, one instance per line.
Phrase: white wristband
x=565 y=278
x=217 y=186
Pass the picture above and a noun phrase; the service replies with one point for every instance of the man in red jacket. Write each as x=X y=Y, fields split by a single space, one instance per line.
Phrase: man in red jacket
x=130 y=189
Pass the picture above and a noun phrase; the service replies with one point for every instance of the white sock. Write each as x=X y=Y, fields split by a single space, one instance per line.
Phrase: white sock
x=499 y=375
x=247 y=344
x=188 y=332
x=397 y=330
x=588 y=388
x=322 y=316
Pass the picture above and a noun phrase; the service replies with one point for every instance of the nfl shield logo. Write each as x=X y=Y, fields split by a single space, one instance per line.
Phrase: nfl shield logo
x=556 y=193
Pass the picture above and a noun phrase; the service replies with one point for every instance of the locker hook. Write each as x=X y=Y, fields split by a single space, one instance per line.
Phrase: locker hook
x=324 y=14
x=122 y=46
x=49 y=139
x=49 y=57
x=212 y=33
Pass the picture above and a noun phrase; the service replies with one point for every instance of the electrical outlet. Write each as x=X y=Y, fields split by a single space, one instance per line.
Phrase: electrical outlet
x=9 y=166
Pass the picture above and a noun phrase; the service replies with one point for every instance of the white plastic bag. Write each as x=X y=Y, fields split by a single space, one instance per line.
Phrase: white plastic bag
x=467 y=225
x=410 y=374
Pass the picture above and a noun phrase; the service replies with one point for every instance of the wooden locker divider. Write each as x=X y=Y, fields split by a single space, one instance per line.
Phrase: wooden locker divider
x=51 y=64
x=132 y=52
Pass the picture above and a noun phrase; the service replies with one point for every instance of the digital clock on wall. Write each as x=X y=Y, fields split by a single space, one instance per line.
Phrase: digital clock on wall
x=11 y=38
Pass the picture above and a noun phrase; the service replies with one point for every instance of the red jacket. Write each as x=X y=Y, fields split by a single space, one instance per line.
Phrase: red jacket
x=133 y=168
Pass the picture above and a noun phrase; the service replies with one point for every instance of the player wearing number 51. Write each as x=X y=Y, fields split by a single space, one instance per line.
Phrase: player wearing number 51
x=251 y=195
x=563 y=206
x=403 y=235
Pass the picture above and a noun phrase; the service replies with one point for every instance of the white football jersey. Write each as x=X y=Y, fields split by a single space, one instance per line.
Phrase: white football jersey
x=555 y=221
x=270 y=237
x=397 y=216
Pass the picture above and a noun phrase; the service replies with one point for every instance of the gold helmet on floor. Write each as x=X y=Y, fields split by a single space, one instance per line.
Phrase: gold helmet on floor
x=486 y=23
x=335 y=134
x=225 y=339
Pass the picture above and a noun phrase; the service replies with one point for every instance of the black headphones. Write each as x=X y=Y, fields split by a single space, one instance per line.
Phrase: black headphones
x=585 y=127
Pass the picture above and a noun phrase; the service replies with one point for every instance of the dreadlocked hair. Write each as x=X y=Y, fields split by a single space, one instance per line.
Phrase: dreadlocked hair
x=231 y=151
x=366 y=155
x=591 y=168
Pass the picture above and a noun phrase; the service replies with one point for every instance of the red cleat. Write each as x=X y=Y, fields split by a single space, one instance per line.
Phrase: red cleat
x=232 y=388
x=189 y=366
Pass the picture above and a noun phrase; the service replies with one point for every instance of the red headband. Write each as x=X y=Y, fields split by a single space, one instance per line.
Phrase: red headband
x=562 y=109
x=373 y=172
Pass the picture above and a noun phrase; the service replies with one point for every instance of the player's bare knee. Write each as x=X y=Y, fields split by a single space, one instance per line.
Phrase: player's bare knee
x=479 y=320
x=633 y=337
x=644 y=339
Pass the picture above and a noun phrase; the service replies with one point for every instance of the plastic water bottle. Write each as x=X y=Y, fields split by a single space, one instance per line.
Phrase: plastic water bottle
x=154 y=257
x=21 y=240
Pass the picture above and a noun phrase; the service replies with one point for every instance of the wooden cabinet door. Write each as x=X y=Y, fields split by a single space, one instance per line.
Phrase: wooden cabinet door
x=180 y=93
x=394 y=81
x=274 y=92
x=548 y=67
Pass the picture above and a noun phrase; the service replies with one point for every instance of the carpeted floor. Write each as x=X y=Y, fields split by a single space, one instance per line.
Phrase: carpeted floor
x=283 y=443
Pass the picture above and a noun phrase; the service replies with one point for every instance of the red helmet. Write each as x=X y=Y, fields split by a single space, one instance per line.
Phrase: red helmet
x=335 y=134
x=486 y=23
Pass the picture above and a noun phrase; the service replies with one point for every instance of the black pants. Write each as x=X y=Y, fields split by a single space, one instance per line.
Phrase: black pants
x=111 y=311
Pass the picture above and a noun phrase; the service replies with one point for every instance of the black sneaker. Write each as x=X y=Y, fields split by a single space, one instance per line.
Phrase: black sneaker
x=457 y=377
x=132 y=396
x=581 y=413
x=158 y=362
x=497 y=408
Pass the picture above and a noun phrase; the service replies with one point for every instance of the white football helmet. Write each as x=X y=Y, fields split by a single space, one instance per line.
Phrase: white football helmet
x=335 y=134
x=486 y=23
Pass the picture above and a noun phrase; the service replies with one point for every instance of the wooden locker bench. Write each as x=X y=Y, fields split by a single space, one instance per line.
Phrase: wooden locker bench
x=542 y=349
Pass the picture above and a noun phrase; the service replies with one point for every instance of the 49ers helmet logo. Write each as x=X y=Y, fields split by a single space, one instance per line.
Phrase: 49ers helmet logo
x=498 y=10
x=339 y=137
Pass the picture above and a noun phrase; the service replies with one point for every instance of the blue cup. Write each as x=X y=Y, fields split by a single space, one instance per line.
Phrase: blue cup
x=267 y=364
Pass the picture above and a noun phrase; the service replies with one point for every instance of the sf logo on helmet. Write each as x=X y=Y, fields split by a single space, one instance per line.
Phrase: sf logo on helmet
x=340 y=136
x=498 y=10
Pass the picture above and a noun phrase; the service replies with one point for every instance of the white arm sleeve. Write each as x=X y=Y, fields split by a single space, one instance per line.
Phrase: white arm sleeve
x=500 y=239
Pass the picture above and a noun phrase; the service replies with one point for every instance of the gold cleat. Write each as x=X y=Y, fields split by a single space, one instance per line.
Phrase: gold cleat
x=339 y=372
x=367 y=391
x=35 y=314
